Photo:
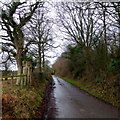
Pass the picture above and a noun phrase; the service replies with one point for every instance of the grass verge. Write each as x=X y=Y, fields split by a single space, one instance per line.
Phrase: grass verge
x=95 y=91
x=22 y=101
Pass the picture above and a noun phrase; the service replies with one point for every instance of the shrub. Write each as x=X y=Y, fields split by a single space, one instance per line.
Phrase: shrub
x=113 y=65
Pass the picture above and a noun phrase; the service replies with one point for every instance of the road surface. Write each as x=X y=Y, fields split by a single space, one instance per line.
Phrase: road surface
x=68 y=101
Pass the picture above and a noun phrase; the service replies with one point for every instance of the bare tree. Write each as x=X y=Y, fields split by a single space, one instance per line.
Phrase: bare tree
x=79 y=24
x=13 y=18
x=41 y=39
x=92 y=26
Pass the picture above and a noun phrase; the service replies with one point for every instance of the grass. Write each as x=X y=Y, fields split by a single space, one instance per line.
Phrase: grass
x=76 y=84
x=22 y=102
x=96 y=91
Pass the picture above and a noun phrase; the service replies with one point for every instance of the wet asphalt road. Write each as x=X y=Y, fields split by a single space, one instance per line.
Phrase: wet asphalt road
x=68 y=101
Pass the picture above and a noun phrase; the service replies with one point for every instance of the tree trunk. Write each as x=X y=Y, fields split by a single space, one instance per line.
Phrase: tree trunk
x=40 y=63
x=19 y=43
x=43 y=57
x=20 y=69
x=105 y=37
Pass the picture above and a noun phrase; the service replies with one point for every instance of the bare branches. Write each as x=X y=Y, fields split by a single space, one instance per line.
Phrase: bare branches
x=40 y=35
x=13 y=7
x=82 y=22
x=9 y=44
x=77 y=21
x=25 y=19
x=13 y=18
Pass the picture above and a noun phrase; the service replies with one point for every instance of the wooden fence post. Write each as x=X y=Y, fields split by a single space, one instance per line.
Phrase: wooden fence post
x=11 y=79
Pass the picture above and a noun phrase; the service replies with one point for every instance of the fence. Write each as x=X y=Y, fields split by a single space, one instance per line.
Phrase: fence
x=3 y=78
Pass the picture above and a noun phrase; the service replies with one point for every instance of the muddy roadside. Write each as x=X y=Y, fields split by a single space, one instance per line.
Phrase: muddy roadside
x=48 y=109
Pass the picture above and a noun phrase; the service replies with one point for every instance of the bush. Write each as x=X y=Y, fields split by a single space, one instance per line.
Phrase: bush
x=99 y=79
x=113 y=65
